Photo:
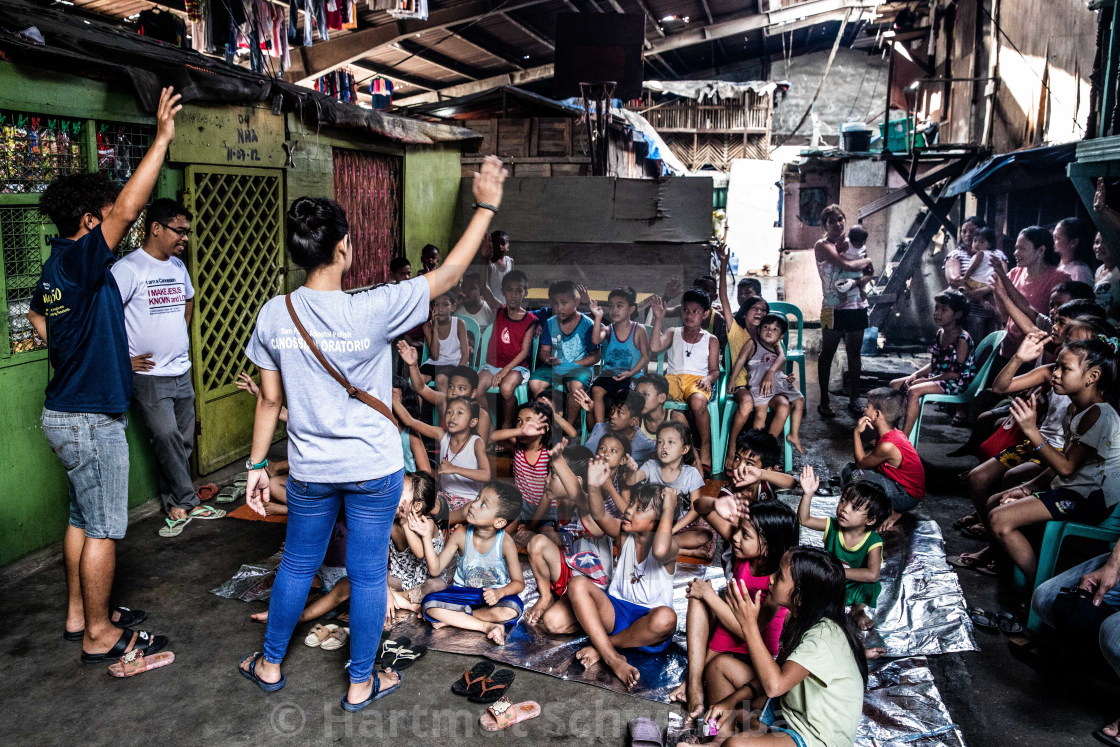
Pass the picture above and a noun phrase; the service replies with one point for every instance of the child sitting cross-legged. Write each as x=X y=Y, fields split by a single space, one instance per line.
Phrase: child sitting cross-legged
x=408 y=577
x=813 y=693
x=852 y=538
x=579 y=547
x=636 y=610
x=483 y=596
x=893 y=464
x=625 y=418
x=717 y=664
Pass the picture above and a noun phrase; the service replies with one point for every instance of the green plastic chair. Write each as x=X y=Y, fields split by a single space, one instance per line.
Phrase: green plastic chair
x=988 y=344
x=794 y=354
x=1056 y=533
x=728 y=410
x=719 y=394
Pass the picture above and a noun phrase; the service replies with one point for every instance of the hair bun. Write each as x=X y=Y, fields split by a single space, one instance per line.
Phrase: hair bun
x=303 y=211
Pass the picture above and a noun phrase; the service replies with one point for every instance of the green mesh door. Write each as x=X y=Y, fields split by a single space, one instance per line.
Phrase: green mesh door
x=235 y=261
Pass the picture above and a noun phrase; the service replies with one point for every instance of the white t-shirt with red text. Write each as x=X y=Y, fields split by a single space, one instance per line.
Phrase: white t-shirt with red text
x=155 y=294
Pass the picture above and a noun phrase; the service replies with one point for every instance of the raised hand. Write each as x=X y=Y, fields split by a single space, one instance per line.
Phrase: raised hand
x=598 y=472
x=168 y=107
x=246 y=384
x=1033 y=345
x=730 y=508
x=1025 y=413
x=657 y=306
x=584 y=296
x=420 y=524
x=488 y=180
x=745 y=474
x=672 y=288
x=534 y=426
x=557 y=450
x=407 y=353
x=581 y=399
x=809 y=480
x=630 y=464
x=594 y=307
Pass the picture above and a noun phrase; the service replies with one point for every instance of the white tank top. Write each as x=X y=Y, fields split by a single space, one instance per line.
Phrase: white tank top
x=647 y=583
x=457 y=485
x=688 y=357
x=449 y=348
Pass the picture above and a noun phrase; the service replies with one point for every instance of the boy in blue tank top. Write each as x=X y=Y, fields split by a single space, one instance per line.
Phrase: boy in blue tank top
x=488 y=578
x=566 y=352
x=624 y=351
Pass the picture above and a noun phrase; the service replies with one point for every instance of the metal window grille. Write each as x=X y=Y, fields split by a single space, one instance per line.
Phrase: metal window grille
x=369 y=186
x=34 y=150
x=23 y=235
x=120 y=147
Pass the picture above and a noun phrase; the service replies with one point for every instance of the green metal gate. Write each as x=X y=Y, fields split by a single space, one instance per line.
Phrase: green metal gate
x=236 y=264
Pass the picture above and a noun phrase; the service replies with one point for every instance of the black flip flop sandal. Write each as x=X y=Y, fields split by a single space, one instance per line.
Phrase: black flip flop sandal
x=146 y=643
x=493 y=687
x=128 y=616
x=983 y=619
x=471 y=682
x=388 y=644
x=967 y=520
x=1009 y=624
x=402 y=656
x=1103 y=738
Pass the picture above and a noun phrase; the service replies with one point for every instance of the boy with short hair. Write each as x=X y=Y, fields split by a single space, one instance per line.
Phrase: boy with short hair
x=429 y=258
x=498 y=264
x=566 y=350
x=654 y=390
x=893 y=464
x=488 y=578
x=624 y=350
x=625 y=418
x=693 y=362
x=506 y=360
x=400 y=270
x=471 y=303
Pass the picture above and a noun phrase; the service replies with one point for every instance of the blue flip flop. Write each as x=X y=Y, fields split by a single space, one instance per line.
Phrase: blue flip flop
x=268 y=687
x=375 y=695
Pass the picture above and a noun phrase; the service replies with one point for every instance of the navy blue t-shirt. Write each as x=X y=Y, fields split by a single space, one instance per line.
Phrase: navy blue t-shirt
x=85 y=327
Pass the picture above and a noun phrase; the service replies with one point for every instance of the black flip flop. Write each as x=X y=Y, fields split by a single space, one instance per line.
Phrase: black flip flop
x=983 y=619
x=401 y=656
x=967 y=520
x=974 y=531
x=128 y=619
x=493 y=687
x=471 y=682
x=146 y=643
x=391 y=643
x=825 y=412
x=1103 y=738
x=251 y=674
x=1009 y=624
x=375 y=695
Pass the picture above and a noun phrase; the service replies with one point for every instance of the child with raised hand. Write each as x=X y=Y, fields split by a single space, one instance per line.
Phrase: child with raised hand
x=763 y=356
x=1075 y=487
x=462 y=381
x=488 y=578
x=693 y=361
x=758 y=541
x=566 y=350
x=625 y=418
x=579 y=547
x=951 y=366
x=851 y=537
x=636 y=610
x=813 y=692
x=893 y=464
x=673 y=466
x=463 y=467
x=624 y=351
x=530 y=441
x=446 y=336
x=511 y=344
x=615 y=448
x=546 y=397
x=409 y=579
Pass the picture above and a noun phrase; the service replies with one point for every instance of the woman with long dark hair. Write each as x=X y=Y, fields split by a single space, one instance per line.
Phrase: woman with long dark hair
x=344 y=448
x=1030 y=283
x=1075 y=248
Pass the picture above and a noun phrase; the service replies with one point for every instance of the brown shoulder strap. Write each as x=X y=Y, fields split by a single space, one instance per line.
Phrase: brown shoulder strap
x=353 y=391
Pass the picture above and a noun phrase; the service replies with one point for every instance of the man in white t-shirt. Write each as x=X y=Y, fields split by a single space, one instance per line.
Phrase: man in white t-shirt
x=158 y=299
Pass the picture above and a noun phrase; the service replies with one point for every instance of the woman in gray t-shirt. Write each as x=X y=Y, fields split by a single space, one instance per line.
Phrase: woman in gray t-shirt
x=342 y=453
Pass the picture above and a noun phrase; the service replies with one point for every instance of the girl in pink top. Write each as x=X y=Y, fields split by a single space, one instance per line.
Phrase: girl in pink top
x=1033 y=279
x=758 y=543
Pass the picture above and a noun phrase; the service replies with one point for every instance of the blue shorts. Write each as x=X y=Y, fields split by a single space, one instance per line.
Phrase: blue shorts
x=562 y=374
x=625 y=614
x=493 y=370
x=465 y=599
x=771 y=714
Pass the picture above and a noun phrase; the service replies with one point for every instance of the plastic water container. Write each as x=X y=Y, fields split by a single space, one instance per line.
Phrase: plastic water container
x=857 y=137
x=870 y=346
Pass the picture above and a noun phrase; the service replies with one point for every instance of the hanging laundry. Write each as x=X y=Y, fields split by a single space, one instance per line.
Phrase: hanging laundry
x=410 y=9
x=351 y=22
x=381 y=4
x=163 y=26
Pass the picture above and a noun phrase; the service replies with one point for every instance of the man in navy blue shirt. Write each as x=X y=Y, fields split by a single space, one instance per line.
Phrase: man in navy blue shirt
x=77 y=310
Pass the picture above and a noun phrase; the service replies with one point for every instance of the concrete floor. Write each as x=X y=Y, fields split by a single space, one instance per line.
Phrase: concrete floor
x=49 y=697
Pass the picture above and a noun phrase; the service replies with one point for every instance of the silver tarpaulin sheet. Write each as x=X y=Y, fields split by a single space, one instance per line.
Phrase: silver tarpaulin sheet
x=528 y=648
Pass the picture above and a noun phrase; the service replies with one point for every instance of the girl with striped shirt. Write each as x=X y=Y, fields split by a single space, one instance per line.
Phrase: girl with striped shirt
x=530 y=440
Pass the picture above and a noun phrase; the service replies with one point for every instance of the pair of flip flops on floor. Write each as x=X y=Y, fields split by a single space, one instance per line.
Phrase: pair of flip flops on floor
x=175 y=526
x=481 y=684
x=234 y=492
x=1005 y=622
x=399 y=653
x=329 y=637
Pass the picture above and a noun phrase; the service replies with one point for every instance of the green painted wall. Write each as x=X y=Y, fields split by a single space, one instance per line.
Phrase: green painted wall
x=431 y=191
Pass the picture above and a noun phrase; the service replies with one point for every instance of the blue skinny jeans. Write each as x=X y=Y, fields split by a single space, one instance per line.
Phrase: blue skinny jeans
x=312 y=510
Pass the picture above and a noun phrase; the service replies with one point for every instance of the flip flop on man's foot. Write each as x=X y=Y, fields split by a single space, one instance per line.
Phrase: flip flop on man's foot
x=145 y=643
x=126 y=618
x=206 y=512
x=1113 y=739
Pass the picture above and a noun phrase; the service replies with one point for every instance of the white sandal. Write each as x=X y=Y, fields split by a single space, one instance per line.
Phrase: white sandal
x=318 y=634
x=337 y=639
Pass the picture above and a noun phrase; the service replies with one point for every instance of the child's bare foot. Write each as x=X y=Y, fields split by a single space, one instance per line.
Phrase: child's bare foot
x=536 y=612
x=497 y=634
x=588 y=656
x=874 y=653
x=1111 y=730
x=438 y=625
x=862 y=619
x=890 y=522
x=680 y=694
x=624 y=671
x=261 y=617
x=795 y=441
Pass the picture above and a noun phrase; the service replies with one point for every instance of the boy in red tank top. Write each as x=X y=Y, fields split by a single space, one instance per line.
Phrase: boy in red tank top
x=893 y=463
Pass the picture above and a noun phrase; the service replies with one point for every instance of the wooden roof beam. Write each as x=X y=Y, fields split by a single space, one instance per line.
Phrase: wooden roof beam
x=707 y=11
x=432 y=57
x=527 y=31
x=385 y=72
x=652 y=18
x=311 y=62
x=490 y=46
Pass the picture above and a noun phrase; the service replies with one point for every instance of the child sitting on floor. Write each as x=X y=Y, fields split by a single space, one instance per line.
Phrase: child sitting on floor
x=579 y=547
x=566 y=350
x=758 y=540
x=624 y=350
x=330 y=579
x=625 y=416
x=852 y=538
x=813 y=693
x=636 y=611
x=673 y=467
x=408 y=577
x=483 y=596
x=615 y=448
x=693 y=362
x=894 y=464
x=770 y=387
x=655 y=393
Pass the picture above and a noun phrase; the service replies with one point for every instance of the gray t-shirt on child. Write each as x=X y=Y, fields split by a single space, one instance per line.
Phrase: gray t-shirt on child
x=331 y=436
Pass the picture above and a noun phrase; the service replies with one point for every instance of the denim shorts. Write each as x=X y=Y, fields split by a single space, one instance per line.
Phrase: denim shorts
x=94 y=451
